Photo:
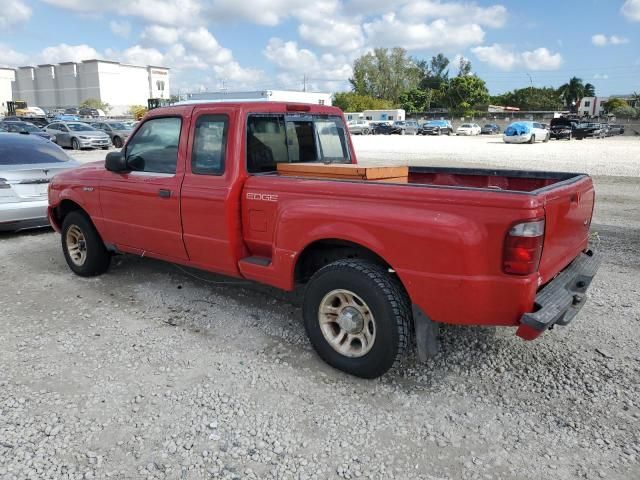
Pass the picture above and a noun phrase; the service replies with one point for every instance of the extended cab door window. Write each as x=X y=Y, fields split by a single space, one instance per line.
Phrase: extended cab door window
x=154 y=147
x=209 y=145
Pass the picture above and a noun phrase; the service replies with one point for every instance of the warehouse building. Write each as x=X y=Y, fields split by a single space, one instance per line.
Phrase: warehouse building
x=7 y=77
x=68 y=84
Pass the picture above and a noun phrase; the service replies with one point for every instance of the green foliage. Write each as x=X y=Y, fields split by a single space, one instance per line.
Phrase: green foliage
x=530 y=98
x=625 y=111
x=354 y=102
x=95 y=103
x=416 y=100
x=138 y=111
x=464 y=67
x=614 y=104
x=575 y=89
x=462 y=93
x=385 y=74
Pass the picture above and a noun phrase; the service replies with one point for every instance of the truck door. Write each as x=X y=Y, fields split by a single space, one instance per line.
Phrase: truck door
x=141 y=208
x=210 y=195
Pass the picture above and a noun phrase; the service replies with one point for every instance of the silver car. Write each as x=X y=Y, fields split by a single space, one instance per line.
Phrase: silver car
x=78 y=135
x=117 y=131
x=27 y=164
x=359 y=127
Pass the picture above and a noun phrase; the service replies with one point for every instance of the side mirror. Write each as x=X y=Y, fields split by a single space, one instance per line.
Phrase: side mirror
x=116 y=162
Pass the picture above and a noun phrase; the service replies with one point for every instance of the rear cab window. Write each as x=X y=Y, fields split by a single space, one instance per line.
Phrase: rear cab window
x=294 y=138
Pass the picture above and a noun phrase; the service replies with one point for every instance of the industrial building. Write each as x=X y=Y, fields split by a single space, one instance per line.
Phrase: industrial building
x=263 y=96
x=68 y=84
x=7 y=77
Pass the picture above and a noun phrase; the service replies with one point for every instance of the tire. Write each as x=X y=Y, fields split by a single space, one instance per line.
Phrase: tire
x=439 y=132
x=546 y=139
x=449 y=132
x=402 y=132
x=388 y=319
x=82 y=246
x=532 y=139
x=74 y=144
x=117 y=142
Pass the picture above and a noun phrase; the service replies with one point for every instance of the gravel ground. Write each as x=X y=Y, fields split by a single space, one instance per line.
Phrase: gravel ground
x=153 y=371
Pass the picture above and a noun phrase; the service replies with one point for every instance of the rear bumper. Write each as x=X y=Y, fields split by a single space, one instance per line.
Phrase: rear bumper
x=558 y=302
x=22 y=215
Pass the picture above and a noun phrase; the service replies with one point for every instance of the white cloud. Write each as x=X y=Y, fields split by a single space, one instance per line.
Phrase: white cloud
x=505 y=59
x=13 y=12
x=202 y=41
x=391 y=30
x=601 y=76
x=631 y=10
x=157 y=34
x=67 y=53
x=11 y=58
x=494 y=16
x=324 y=72
x=120 y=29
x=600 y=40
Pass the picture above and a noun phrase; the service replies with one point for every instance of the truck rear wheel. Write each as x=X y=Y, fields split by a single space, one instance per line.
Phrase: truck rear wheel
x=357 y=317
x=82 y=246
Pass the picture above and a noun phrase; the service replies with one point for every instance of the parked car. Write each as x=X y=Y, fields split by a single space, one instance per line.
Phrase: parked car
x=615 y=129
x=436 y=127
x=490 y=129
x=359 y=127
x=72 y=111
x=66 y=118
x=525 y=132
x=562 y=128
x=468 y=129
x=399 y=127
x=378 y=127
x=27 y=164
x=40 y=122
x=380 y=261
x=78 y=135
x=2 y=127
x=90 y=112
x=588 y=130
x=25 y=127
x=117 y=131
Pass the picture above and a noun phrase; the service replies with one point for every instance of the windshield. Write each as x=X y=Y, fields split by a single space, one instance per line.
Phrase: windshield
x=80 y=127
x=466 y=125
x=22 y=127
x=273 y=139
x=29 y=150
x=489 y=125
x=119 y=126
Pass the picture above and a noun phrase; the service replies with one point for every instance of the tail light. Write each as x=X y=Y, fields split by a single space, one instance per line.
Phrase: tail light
x=523 y=248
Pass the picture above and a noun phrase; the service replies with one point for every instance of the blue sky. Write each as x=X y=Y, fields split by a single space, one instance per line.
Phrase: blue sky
x=260 y=44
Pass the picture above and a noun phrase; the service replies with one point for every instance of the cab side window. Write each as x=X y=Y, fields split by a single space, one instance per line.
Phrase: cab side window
x=209 y=145
x=154 y=147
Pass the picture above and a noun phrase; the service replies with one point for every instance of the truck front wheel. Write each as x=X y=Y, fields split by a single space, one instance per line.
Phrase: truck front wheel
x=357 y=317
x=82 y=246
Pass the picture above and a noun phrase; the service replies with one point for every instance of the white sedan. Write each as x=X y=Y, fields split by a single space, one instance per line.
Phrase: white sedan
x=526 y=132
x=468 y=129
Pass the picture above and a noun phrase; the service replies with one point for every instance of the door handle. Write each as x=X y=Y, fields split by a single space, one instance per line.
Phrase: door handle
x=164 y=193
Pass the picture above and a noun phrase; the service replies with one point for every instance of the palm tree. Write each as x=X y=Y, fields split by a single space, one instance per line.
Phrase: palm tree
x=589 y=90
x=572 y=91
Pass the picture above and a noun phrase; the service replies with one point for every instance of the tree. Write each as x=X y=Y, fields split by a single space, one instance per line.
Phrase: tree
x=462 y=93
x=625 y=111
x=385 y=74
x=530 y=99
x=575 y=90
x=434 y=72
x=416 y=100
x=138 y=111
x=353 y=102
x=615 y=103
x=464 y=67
x=95 y=103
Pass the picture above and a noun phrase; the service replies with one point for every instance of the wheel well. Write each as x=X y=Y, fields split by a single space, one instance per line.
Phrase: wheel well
x=65 y=208
x=323 y=252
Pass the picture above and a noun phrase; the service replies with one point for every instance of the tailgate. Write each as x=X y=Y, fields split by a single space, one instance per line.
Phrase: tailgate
x=568 y=211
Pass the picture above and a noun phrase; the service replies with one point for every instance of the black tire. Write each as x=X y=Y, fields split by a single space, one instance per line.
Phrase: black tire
x=97 y=257
x=117 y=142
x=439 y=132
x=74 y=144
x=387 y=302
x=546 y=139
x=532 y=139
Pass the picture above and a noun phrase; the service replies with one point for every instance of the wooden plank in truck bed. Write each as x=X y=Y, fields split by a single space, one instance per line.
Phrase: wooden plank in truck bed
x=344 y=171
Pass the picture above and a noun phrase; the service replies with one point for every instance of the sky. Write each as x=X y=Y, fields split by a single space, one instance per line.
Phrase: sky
x=287 y=44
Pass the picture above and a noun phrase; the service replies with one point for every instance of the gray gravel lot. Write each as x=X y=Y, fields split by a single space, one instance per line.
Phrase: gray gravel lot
x=153 y=371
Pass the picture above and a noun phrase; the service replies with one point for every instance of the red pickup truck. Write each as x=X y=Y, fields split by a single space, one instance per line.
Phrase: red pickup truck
x=383 y=263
